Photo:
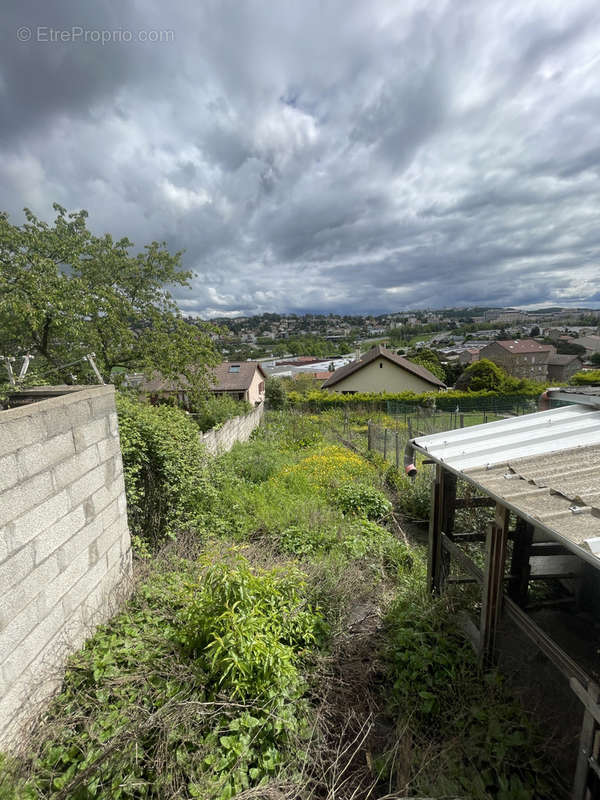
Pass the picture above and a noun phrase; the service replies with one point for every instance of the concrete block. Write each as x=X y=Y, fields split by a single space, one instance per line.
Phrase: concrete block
x=7 y=541
x=26 y=495
x=29 y=591
x=90 y=433
x=59 y=533
x=79 y=542
x=33 y=640
x=110 y=513
x=102 y=405
x=105 y=495
x=109 y=471
x=40 y=518
x=113 y=424
x=18 y=433
x=13 y=571
x=70 y=573
x=85 y=487
x=65 y=418
x=8 y=472
x=74 y=467
x=82 y=588
x=113 y=554
x=41 y=456
x=108 y=448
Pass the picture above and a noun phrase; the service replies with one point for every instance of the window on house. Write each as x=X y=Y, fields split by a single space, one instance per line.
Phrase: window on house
x=381 y=365
x=234 y=368
x=261 y=386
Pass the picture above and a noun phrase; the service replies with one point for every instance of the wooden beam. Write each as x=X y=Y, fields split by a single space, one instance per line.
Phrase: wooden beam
x=520 y=569
x=563 y=662
x=469 y=566
x=435 y=531
x=493 y=576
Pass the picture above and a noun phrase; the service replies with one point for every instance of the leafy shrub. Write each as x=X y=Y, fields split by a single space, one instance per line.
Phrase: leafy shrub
x=138 y=718
x=589 y=378
x=413 y=496
x=362 y=501
x=213 y=411
x=249 y=627
x=162 y=461
x=274 y=393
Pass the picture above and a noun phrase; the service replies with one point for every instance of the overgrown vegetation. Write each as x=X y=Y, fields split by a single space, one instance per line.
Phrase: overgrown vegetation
x=281 y=647
x=212 y=411
x=589 y=378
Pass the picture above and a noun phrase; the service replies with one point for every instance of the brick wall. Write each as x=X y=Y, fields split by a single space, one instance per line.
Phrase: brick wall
x=64 y=543
x=237 y=429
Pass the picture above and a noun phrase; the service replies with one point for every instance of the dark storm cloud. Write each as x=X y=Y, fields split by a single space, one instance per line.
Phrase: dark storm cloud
x=340 y=156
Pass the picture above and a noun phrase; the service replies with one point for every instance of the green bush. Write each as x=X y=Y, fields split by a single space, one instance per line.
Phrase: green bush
x=362 y=500
x=249 y=627
x=589 y=378
x=213 y=411
x=162 y=461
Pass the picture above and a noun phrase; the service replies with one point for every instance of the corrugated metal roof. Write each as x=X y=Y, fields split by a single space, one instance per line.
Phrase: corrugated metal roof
x=515 y=437
x=544 y=466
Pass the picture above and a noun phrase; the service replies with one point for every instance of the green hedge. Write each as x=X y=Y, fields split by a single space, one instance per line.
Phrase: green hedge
x=162 y=462
x=590 y=378
x=318 y=400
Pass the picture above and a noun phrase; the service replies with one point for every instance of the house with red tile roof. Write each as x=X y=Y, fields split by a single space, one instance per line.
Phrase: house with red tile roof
x=521 y=358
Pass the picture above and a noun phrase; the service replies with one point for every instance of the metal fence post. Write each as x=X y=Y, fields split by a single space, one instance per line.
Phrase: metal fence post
x=397 y=451
x=385 y=433
x=369 y=436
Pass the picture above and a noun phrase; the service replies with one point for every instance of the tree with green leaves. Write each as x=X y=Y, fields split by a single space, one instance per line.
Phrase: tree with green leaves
x=482 y=375
x=65 y=292
x=430 y=360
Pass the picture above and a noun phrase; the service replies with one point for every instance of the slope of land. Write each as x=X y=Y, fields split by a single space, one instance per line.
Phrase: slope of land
x=279 y=644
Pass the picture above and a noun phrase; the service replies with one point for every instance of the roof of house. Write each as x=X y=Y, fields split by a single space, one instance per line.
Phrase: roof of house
x=544 y=466
x=224 y=380
x=562 y=359
x=381 y=352
x=523 y=346
x=237 y=381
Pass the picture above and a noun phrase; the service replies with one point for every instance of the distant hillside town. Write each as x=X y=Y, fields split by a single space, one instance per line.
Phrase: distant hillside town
x=548 y=344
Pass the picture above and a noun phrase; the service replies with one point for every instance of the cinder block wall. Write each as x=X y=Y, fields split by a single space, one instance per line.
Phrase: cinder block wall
x=65 y=553
x=236 y=429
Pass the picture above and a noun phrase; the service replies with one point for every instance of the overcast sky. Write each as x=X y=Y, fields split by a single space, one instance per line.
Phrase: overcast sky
x=344 y=156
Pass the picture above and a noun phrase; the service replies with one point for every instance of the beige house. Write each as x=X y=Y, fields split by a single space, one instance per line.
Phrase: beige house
x=521 y=358
x=243 y=381
x=381 y=370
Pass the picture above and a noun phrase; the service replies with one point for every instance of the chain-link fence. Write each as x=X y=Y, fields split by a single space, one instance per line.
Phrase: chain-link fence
x=415 y=421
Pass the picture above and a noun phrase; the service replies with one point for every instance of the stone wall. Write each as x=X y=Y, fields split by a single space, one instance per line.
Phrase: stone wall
x=237 y=429
x=65 y=554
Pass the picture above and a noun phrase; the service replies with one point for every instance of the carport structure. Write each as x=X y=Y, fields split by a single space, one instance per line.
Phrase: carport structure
x=541 y=474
